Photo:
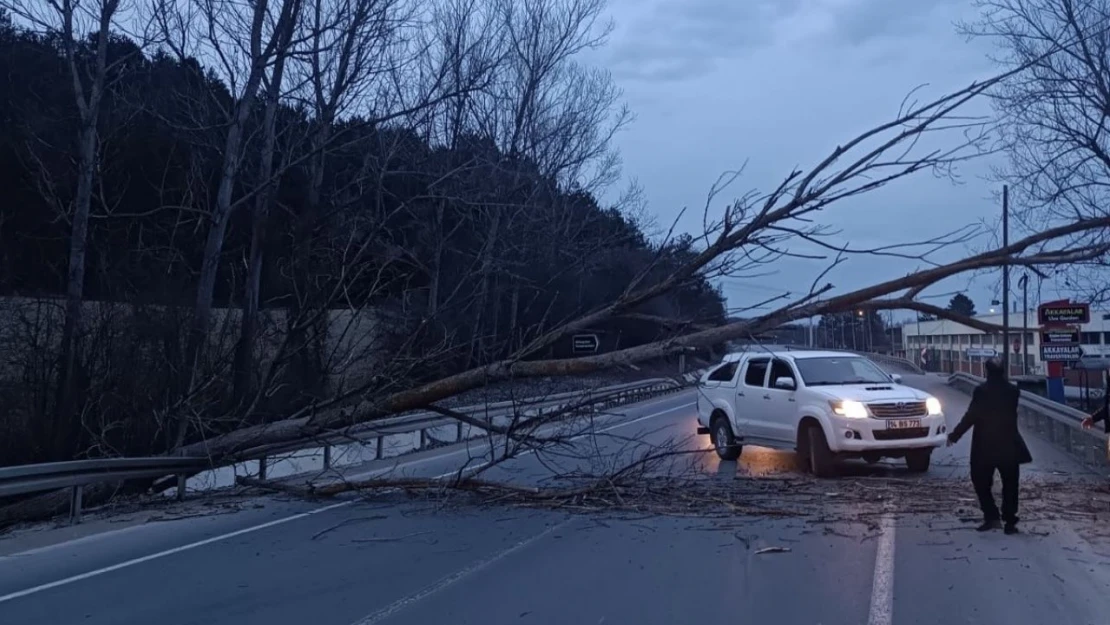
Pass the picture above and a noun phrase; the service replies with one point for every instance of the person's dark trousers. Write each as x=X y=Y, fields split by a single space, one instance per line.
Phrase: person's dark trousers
x=982 y=477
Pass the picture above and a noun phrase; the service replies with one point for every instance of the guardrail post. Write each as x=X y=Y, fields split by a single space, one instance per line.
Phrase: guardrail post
x=423 y=438
x=458 y=431
x=380 y=447
x=181 y=486
x=327 y=457
x=75 y=497
x=262 y=468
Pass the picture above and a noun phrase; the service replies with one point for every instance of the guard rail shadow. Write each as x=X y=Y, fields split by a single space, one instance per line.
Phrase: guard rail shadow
x=1053 y=422
x=425 y=427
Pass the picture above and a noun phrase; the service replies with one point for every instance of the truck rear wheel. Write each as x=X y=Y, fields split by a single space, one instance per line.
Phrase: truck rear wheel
x=723 y=439
x=821 y=459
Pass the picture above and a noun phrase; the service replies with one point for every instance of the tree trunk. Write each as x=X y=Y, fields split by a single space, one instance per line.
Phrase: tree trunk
x=73 y=326
x=248 y=336
x=88 y=106
x=214 y=243
x=485 y=272
x=306 y=366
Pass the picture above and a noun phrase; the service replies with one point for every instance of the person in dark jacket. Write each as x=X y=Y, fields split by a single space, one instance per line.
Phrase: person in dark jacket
x=996 y=445
x=1101 y=413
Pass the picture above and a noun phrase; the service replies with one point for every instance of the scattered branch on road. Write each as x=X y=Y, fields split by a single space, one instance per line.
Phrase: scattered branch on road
x=857 y=499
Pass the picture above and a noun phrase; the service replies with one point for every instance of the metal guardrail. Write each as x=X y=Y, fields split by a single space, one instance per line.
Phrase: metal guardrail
x=35 y=478
x=505 y=411
x=75 y=475
x=1057 y=423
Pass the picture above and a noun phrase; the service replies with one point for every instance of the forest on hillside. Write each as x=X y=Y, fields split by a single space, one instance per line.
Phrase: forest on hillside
x=435 y=169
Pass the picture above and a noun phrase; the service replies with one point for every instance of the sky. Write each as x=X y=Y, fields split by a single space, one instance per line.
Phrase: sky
x=775 y=84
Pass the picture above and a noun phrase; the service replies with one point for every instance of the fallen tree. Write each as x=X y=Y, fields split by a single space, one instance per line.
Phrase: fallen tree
x=746 y=235
x=750 y=233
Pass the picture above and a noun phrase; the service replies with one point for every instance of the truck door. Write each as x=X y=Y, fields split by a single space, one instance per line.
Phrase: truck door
x=751 y=406
x=780 y=401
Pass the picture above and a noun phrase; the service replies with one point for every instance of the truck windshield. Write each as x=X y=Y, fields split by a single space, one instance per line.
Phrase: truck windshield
x=840 y=370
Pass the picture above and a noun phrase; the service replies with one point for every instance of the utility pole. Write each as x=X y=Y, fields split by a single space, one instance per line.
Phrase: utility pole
x=1024 y=282
x=1006 y=281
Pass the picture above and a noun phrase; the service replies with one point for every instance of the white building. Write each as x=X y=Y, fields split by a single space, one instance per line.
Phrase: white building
x=946 y=343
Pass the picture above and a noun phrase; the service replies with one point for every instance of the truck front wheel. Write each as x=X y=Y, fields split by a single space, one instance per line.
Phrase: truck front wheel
x=821 y=459
x=917 y=461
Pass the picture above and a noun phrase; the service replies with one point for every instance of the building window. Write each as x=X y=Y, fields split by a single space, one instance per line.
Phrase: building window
x=1090 y=338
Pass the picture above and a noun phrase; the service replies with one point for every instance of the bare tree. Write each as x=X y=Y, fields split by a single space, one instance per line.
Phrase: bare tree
x=245 y=40
x=1054 y=116
x=244 y=357
x=349 y=51
x=546 y=110
x=90 y=78
x=763 y=222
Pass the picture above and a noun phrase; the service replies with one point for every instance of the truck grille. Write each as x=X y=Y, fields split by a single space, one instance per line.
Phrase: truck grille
x=895 y=435
x=898 y=410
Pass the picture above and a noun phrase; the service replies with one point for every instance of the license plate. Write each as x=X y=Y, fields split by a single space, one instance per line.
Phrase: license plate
x=902 y=424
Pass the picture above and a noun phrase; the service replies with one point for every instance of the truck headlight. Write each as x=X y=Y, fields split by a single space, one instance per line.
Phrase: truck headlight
x=933 y=406
x=849 y=408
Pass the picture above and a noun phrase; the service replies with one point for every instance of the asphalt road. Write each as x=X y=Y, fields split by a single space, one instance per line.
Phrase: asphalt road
x=384 y=560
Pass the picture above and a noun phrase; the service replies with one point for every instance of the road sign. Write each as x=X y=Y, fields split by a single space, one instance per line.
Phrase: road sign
x=586 y=343
x=1063 y=336
x=1057 y=314
x=1061 y=353
x=981 y=352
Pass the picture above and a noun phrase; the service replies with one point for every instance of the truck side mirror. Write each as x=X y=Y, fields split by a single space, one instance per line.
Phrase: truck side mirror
x=897 y=379
x=786 y=384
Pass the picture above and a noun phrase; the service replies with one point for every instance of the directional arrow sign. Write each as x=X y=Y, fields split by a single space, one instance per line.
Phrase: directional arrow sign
x=1061 y=353
x=585 y=343
x=981 y=352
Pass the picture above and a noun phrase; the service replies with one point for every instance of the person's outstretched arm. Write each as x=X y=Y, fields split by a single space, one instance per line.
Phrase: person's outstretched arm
x=974 y=409
x=1099 y=415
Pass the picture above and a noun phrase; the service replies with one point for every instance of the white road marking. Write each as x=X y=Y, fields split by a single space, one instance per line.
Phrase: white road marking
x=169 y=552
x=457 y=576
x=882 y=586
x=295 y=517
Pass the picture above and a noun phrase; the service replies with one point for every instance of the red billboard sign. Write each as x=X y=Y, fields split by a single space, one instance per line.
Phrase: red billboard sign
x=1063 y=314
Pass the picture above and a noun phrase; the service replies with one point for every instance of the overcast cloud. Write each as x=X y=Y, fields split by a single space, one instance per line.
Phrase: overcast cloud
x=778 y=84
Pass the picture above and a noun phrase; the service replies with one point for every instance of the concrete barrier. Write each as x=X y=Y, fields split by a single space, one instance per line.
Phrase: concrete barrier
x=1053 y=422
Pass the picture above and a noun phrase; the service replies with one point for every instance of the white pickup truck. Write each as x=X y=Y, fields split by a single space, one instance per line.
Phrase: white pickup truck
x=824 y=405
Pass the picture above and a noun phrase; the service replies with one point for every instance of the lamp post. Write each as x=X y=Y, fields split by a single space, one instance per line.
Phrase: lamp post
x=1024 y=282
x=1006 y=280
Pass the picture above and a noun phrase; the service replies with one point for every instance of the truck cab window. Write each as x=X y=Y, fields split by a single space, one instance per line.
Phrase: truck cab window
x=756 y=372
x=781 y=369
x=724 y=373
